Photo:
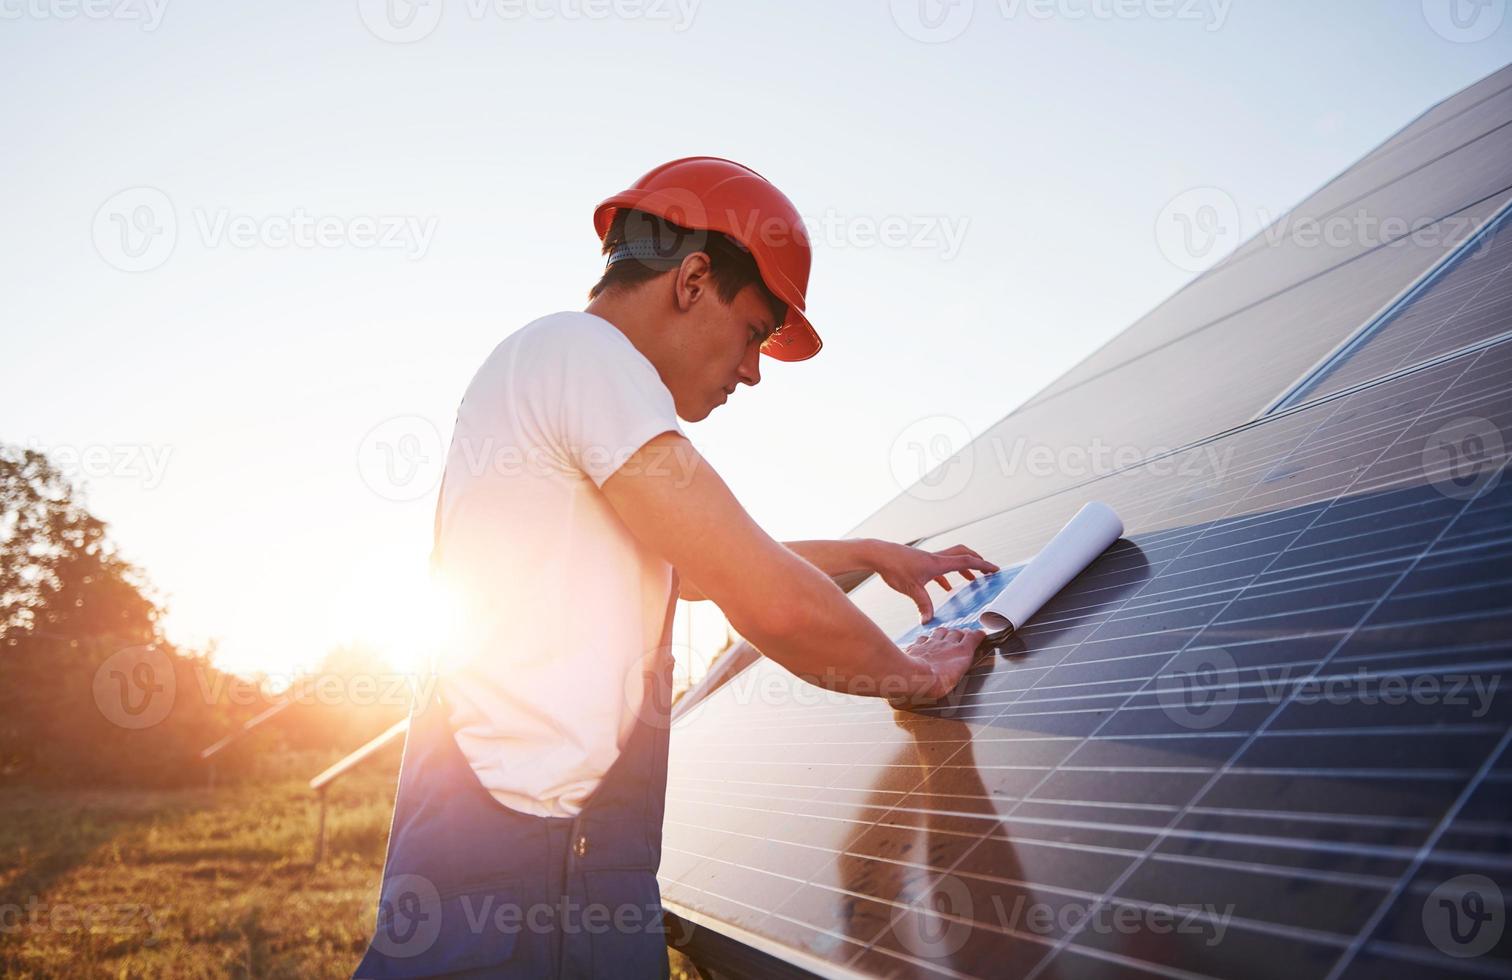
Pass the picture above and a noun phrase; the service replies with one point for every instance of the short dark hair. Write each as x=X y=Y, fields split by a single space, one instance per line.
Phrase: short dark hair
x=730 y=266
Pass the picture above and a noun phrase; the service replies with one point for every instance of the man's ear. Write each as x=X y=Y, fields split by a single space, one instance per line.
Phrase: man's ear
x=692 y=281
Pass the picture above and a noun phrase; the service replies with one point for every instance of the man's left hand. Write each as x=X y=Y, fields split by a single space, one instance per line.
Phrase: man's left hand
x=908 y=570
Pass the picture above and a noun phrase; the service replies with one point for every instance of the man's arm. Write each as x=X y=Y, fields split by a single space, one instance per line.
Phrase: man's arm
x=789 y=609
x=904 y=568
x=830 y=557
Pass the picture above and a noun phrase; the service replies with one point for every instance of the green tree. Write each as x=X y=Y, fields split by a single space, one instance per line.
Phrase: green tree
x=60 y=576
x=70 y=606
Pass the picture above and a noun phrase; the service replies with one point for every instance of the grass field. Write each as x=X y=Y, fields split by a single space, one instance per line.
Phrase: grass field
x=197 y=882
x=191 y=883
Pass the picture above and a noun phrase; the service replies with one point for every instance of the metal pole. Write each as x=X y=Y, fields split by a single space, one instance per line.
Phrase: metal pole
x=320 y=832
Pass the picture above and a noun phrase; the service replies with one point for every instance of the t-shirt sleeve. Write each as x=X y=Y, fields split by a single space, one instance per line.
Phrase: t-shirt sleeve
x=610 y=400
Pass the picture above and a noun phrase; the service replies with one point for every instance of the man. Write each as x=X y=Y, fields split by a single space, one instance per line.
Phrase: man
x=573 y=513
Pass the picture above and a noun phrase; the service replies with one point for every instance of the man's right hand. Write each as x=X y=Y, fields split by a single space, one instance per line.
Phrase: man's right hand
x=945 y=655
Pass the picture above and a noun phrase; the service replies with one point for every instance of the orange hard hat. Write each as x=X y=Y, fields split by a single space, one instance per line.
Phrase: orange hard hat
x=713 y=194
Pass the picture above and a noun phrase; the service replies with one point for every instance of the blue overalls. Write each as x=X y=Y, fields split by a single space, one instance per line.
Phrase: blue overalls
x=473 y=888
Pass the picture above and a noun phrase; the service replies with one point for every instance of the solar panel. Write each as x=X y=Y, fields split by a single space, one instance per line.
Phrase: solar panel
x=1251 y=357
x=1468 y=302
x=1376 y=201
x=1445 y=113
x=1265 y=734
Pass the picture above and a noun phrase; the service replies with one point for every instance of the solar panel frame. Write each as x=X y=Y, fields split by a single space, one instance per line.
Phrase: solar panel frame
x=1469 y=290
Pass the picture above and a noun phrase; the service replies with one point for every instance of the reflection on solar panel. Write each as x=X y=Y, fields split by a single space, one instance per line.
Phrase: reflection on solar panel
x=1265 y=734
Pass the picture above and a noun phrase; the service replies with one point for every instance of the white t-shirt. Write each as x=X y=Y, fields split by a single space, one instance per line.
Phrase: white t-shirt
x=558 y=602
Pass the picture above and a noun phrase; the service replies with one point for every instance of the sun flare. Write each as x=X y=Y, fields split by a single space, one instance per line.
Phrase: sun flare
x=404 y=619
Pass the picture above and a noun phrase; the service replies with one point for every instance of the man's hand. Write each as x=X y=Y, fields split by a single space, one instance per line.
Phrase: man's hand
x=908 y=570
x=943 y=655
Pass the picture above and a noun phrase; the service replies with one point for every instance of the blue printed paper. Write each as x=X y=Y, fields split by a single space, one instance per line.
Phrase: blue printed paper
x=965 y=605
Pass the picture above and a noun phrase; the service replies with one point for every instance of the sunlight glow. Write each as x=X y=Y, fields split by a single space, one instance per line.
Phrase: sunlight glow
x=404 y=616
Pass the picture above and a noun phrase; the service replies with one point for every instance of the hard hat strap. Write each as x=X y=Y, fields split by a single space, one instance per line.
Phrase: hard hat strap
x=649 y=249
x=642 y=250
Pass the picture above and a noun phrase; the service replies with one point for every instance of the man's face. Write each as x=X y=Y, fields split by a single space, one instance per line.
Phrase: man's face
x=716 y=348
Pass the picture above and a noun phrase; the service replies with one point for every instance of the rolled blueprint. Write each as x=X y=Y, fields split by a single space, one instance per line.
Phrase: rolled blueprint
x=1087 y=535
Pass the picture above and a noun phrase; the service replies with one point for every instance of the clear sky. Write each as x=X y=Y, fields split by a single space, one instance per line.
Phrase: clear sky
x=253 y=253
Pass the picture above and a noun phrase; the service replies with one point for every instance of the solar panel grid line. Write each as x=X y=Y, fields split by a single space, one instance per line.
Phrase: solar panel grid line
x=1245 y=427
x=1280 y=930
x=1292 y=372
x=1335 y=209
x=1081 y=848
x=1414 y=231
x=1482 y=294
x=1422 y=854
x=1299 y=575
x=794 y=881
x=1453 y=354
x=1386 y=851
x=1239 y=752
x=1423 y=373
x=762 y=870
x=1168 y=468
x=1445 y=111
x=1441 y=774
x=1393 y=145
x=1277 y=929
x=1479 y=859
x=1420 y=957
x=1437 y=117
x=1445 y=266
x=1358 y=673
x=1220 y=735
x=1260 y=242
x=1340 y=440
x=1293 y=375
x=1001 y=928
x=1326 y=607
x=1388 y=822
x=1491 y=649
x=1142 y=966
x=1317 y=244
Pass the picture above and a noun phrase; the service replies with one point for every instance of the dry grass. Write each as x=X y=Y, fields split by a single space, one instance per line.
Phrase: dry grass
x=189 y=883
x=195 y=883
